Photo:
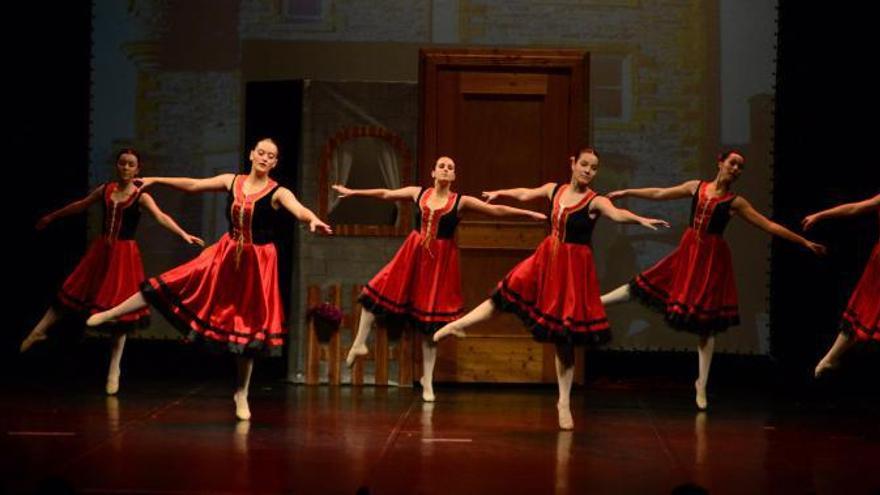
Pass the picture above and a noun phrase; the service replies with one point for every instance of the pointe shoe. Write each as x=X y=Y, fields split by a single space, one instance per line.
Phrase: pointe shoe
x=96 y=320
x=242 y=411
x=354 y=353
x=30 y=340
x=700 y=398
x=822 y=368
x=112 y=384
x=427 y=392
x=566 y=422
x=447 y=331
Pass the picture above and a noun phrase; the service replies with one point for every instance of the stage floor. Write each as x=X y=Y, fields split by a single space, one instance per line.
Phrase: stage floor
x=641 y=437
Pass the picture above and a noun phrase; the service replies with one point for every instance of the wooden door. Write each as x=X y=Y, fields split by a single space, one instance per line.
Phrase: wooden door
x=509 y=118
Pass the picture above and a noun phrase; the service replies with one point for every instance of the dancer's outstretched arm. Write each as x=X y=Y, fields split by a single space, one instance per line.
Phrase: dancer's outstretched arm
x=73 y=208
x=743 y=208
x=409 y=192
x=683 y=190
x=286 y=198
x=605 y=207
x=521 y=193
x=166 y=221
x=844 y=210
x=220 y=182
x=469 y=203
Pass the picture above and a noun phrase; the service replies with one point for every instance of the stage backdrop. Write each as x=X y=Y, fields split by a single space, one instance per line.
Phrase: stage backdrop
x=671 y=83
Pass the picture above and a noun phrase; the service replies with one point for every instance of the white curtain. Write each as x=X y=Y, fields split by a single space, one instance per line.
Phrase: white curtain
x=340 y=167
x=388 y=165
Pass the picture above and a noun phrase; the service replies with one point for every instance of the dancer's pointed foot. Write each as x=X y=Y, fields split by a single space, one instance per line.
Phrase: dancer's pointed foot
x=112 y=382
x=823 y=367
x=355 y=352
x=566 y=422
x=98 y=319
x=700 y=397
x=427 y=390
x=446 y=331
x=31 y=339
x=242 y=410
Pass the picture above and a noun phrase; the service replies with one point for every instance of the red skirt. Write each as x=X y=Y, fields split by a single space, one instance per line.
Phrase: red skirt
x=109 y=273
x=862 y=316
x=693 y=286
x=421 y=284
x=225 y=298
x=555 y=292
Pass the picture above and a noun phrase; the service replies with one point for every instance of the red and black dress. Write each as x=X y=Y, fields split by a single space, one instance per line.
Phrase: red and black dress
x=694 y=285
x=555 y=291
x=111 y=269
x=228 y=295
x=422 y=283
x=861 y=319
